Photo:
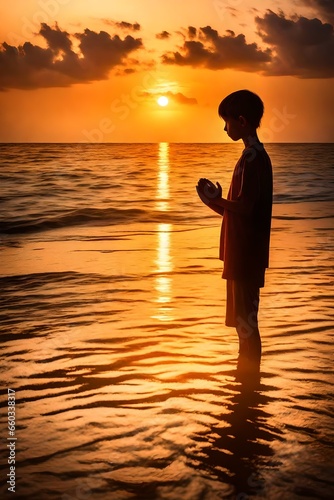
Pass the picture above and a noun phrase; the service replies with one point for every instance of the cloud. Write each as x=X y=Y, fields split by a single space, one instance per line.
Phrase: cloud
x=181 y=98
x=206 y=48
x=173 y=96
x=163 y=35
x=295 y=46
x=30 y=66
x=129 y=26
x=325 y=8
x=123 y=25
x=57 y=40
x=301 y=47
x=192 y=32
x=234 y=12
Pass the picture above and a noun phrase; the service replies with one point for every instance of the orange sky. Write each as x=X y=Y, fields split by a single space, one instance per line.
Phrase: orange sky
x=77 y=70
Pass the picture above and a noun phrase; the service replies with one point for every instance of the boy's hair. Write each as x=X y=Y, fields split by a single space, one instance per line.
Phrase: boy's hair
x=242 y=103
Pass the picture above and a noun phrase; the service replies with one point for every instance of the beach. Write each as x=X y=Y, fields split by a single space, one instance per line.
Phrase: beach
x=113 y=336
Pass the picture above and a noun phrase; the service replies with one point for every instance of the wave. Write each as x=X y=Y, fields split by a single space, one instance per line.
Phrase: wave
x=72 y=218
x=113 y=216
x=299 y=217
x=325 y=194
x=104 y=217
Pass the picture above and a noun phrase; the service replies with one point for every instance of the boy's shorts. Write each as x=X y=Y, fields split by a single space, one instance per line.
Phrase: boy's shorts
x=242 y=304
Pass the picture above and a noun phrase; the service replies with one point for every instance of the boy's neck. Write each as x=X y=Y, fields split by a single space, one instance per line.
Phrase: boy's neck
x=250 y=138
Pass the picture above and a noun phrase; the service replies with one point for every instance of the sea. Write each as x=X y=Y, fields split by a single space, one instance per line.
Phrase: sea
x=119 y=378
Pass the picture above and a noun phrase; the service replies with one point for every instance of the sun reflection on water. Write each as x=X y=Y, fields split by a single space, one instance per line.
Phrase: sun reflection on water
x=162 y=194
x=164 y=264
x=164 y=261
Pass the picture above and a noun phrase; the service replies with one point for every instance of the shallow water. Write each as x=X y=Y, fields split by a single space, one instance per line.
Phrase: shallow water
x=113 y=336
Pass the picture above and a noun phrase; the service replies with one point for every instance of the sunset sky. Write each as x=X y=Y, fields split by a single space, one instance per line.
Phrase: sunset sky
x=92 y=71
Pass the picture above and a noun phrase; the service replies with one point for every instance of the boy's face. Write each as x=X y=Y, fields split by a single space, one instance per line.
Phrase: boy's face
x=234 y=127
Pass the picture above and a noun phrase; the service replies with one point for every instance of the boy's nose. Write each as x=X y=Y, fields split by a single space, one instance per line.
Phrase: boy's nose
x=225 y=129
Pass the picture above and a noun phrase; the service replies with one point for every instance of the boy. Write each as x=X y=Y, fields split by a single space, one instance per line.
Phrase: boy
x=245 y=233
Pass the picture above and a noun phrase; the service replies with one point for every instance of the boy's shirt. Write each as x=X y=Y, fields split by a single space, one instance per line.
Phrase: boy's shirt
x=244 y=243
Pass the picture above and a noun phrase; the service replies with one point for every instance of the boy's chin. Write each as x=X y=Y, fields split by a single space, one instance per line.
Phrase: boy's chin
x=234 y=138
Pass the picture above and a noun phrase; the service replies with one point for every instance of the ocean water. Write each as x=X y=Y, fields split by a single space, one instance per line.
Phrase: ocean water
x=112 y=328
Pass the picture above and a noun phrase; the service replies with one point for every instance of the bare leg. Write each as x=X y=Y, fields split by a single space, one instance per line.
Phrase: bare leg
x=242 y=305
x=249 y=343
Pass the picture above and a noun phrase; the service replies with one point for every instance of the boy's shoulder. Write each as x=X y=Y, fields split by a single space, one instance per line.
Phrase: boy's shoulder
x=254 y=153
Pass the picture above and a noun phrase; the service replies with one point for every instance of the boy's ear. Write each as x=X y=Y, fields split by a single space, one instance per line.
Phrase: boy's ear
x=242 y=120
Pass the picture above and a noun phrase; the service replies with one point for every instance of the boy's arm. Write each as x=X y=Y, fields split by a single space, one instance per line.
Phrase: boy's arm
x=218 y=205
x=247 y=197
x=216 y=208
x=240 y=206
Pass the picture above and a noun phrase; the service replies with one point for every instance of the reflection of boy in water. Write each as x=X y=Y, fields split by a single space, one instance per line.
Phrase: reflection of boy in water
x=245 y=234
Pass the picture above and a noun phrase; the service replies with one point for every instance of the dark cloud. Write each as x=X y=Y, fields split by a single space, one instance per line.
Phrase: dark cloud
x=302 y=47
x=129 y=26
x=30 y=66
x=232 y=10
x=163 y=35
x=57 y=40
x=192 y=32
x=296 y=46
x=123 y=25
x=206 y=48
x=324 y=8
x=101 y=52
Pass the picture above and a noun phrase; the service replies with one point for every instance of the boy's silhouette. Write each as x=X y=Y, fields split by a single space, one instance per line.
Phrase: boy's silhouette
x=245 y=233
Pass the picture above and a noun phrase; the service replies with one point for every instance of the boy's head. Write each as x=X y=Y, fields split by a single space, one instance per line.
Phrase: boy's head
x=242 y=103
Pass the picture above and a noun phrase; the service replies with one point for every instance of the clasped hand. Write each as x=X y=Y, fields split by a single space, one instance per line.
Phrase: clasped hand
x=207 y=191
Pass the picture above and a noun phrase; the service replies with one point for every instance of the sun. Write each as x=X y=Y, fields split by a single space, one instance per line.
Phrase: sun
x=163 y=100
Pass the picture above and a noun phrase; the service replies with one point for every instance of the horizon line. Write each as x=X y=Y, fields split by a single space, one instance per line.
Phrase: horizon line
x=157 y=142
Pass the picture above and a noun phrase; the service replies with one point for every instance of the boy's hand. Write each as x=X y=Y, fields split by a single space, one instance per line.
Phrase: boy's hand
x=202 y=196
x=207 y=191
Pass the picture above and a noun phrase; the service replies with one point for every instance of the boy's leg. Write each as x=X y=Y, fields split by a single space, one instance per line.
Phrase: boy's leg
x=242 y=313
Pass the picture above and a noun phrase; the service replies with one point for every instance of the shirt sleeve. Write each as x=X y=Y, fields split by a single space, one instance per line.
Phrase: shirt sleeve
x=250 y=188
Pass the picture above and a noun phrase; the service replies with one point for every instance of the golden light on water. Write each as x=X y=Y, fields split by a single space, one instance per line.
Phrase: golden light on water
x=164 y=267
x=164 y=262
x=162 y=193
